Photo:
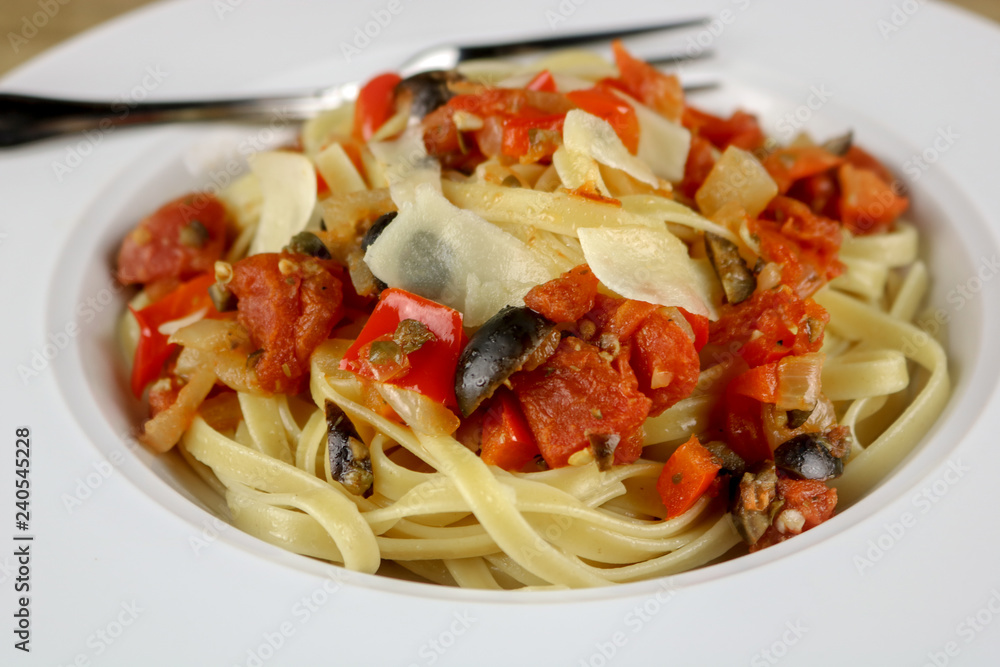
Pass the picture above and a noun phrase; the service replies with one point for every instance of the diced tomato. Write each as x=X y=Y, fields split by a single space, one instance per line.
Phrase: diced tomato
x=507 y=441
x=665 y=361
x=543 y=81
x=577 y=393
x=744 y=427
x=819 y=192
x=608 y=106
x=741 y=129
x=862 y=159
x=791 y=164
x=811 y=497
x=153 y=349
x=868 y=204
x=532 y=137
x=375 y=105
x=759 y=383
x=686 y=476
x=805 y=244
x=699 y=325
x=289 y=302
x=647 y=84
x=180 y=240
x=619 y=317
x=566 y=298
x=700 y=160
x=784 y=324
x=432 y=366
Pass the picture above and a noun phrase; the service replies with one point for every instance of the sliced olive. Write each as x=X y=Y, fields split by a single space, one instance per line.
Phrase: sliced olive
x=498 y=349
x=737 y=281
x=377 y=228
x=308 y=243
x=604 y=447
x=756 y=503
x=808 y=456
x=222 y=298
x=840 y=145
x=350 y=460
x=796 y=418
x=426 y=91
x=732 y=463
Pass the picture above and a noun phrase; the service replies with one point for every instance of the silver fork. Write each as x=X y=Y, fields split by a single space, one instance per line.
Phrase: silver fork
x=27 y=118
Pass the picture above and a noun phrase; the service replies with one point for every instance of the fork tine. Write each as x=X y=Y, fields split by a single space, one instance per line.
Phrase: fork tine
x=545 y=43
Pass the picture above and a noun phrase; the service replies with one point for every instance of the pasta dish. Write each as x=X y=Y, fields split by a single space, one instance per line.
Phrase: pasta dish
x=534 y=326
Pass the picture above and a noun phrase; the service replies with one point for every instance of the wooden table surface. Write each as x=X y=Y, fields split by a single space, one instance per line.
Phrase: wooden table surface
x=77 y=15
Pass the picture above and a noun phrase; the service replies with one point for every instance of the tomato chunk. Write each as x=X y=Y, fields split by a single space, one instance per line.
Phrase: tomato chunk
x=700 y=161
x=566 y=298
x=430 y=367
x=686 y=476
x=805 y=244
x=786 y=325
x=507 y=441
x=791 y=164
x=665 y=361
x=649 y=85
x=577 y=393
x=868 y=204
x=741 y=129
x=289 y=302
x=181 y=239
x=811 y=497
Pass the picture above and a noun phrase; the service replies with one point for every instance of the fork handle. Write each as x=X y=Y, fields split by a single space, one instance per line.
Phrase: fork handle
x=26 y=118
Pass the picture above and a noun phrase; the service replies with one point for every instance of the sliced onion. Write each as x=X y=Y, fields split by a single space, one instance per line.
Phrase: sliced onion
x=737 y=176
x=419 y=412
x=799 y=381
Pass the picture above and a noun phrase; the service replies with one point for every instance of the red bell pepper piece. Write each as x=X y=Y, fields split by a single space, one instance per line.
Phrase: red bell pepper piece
x=153 y=349
x=431 y=367
x=507 y=440
x=543 y=81
x=686 y=476
x=375 y=105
